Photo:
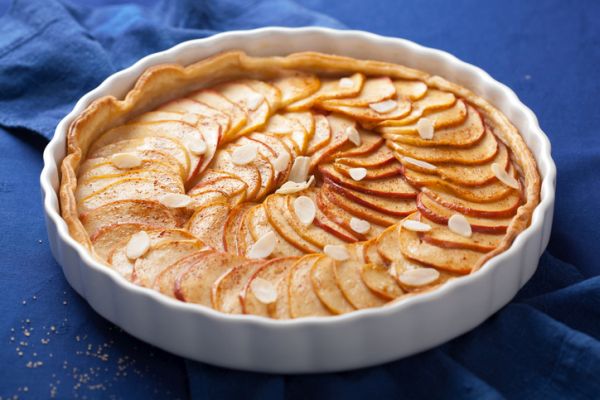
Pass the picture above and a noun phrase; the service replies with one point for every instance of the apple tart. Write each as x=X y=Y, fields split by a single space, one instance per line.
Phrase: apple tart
x=287 y=187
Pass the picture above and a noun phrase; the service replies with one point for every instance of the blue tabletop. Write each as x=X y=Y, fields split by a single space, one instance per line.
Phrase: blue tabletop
x=544 y=344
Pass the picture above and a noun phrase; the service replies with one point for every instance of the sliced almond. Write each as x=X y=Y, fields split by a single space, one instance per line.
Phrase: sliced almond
x=254 y=100
x=416 y=226
x=244 y=154
x=293 y=187
x=458 y=224
x=175 y=200
x=198 y=147
x=358 y=174
x=419 y=163
x=281 y=162
x=138 y=245
x=299 y=171
x=419 y=276
x=190 y=118
x=264 y=246
x=353 y=135
x=425 y=128
x=504 y=177
x=305 y=209
x=384 y=107
x=346 y=82
x=126 y=160
x=263 y=290
x=359 y=225
x=337 y=252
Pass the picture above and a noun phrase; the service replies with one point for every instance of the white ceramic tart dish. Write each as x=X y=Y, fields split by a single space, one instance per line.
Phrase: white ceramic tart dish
x=298 y=200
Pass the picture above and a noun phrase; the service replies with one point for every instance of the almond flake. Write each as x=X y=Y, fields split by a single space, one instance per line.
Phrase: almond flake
x=353 y=135
x=419 y=163
x=415 y=226
x=264 y=290
x=264 y=246
x=358 y=173
x=244 y=154
x=346 y=82
x=175 y=200
x=299 y=171
x=336 y=251
x=383 y=107
x=126 y=160
x=359 y=225
x=281 y=162
x=459 y=225
x=504 y=177
x=190 y=118
x=305 y=209
x=419 y=277
x=197 y=147
x=254 y=100
x=293 y=187
x=138 y=245
x=425 y=128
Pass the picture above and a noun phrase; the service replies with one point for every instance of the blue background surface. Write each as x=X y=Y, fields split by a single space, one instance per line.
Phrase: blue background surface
x=544 y=344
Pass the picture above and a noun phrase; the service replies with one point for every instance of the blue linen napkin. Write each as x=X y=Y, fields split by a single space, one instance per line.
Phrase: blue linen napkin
x=542 y=345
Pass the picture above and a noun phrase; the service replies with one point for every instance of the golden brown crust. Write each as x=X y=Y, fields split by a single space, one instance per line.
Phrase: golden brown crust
x=165 y=82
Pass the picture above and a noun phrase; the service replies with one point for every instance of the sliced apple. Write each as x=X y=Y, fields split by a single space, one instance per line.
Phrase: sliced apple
x=483 y=151
x=107 y=238
x=395 y=187
x=271 y=93
x=296 y=86
x=279 y=149
x=321 y=136
x=373 y=90
x=207 y=224
x=322 y=276
x=371 y=215
x=304 y=118
x=228 y=288
x=386 y=205
x=330 y=89
x=158 y=116
x=440 y=214
x=459 y=261
x=505 y=207
x=303 y=300
x=237 y=116
x=339 y=139
x=157 y=148
x=379 y=157
x=377 y=278
x=312 y=232
x=369 y=114
x=203 y=112
x=284 y=126
x=370 y=142
x=348 y=278
x=194 y=284
x=278 y=216
x=370 y=254
x=386 y=244
x=232 y=225
x=105 y=168
x=248 y=173
x=466 y=134
x=249 y=100
x=226 y=183
x=433 y=100
x=143 y=212
x=259 y=225
x=388 y=170
x=411 y=90
x=159 y=257
x=442 y=236
x=165 y=281
x=275 y=272
x=244 y=238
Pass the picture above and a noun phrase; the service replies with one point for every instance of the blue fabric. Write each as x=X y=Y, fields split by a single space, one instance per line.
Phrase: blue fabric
x=544 y=344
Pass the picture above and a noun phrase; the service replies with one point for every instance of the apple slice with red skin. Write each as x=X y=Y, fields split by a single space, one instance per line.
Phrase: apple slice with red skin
x=322 y=276
x=110 y=236
x=248 y=173
x=232 y=226
x=187 y=106
x=194 y=284
x=278 y=147
x=370 y=142
x=227 y=290
x=380 y=157
x=259 y=225
x=208 y=222
x=381 y=172
x=441 y=236
x=432 y=101
x=348 y=278
x=395 y=187
x=221 y=181
x=213 y=99
x=386 y=205
x=241 y=95
x=503 y=208
x=278 y=215
x=273 y=271
x=303 y=300
x=377 y=278
x=165 y=281
x=339 y=140
x=440 y=214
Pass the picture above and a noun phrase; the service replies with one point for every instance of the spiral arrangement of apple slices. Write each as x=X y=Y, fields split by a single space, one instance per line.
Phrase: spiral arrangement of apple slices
x=299 y=196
